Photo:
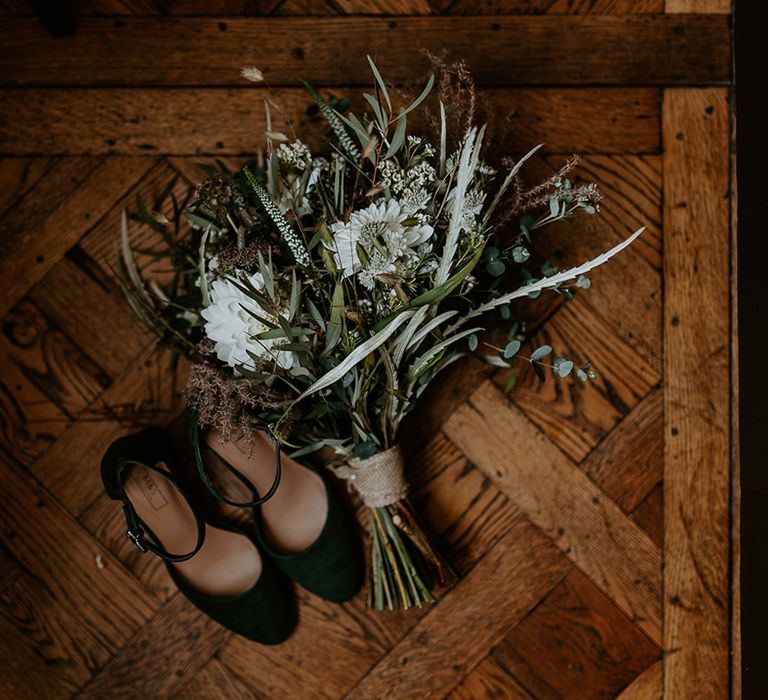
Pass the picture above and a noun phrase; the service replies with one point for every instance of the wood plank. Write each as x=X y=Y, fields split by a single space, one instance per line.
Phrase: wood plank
x=555 y=7
x=219 y=8
x=88 y=306
x=45 y=382
x=62 y=556
x=723 y=7
x=25 y=674
x=649 y=514
x=576 y=416
x=135 y=122
x=146 y=394
x=384 y=7
x=70 y=650
x=162 y=656
x=736 y=485
x=17 y=175
x=697 y=399
x=318 y=8
x=55 y=214
x=629 y=462
x=647 y=686
x=10 y=569
x=99 y=243
x=490 y=680
x=353 y=638
x=458 y=633
x=104 y=519
x=603 y=542
x=463 y=510
x=576 y=644
x=213 y=682
x=620 y=50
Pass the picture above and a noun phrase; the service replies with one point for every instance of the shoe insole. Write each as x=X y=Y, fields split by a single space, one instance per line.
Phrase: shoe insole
x=228 y=564
x=294 y=517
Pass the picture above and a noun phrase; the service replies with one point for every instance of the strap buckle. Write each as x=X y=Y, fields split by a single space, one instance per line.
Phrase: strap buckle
x=137 y=537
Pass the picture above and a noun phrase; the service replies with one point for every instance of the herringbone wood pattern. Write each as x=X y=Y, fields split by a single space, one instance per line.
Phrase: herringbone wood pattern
x=589 y=524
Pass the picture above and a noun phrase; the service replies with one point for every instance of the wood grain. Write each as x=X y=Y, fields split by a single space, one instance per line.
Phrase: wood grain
x=626 y=295
x=45 y=382
x=576 y=643
x=558 y=50
x=647 y=686
x=559 y=498
x=722 y=7
x=464 y=511
x=628 y=463
x=213 y=682
x=555 y=7
x=61 y=555
x=90 y=308
x=553 y=515
x=697 y=399
x=457 y=634
x=165 y=651
x=352 y=640
x=147 y=393
x=17 y=175
x=649 y=514
x=25 y=674
x=577 y=416
x=52 y=217
x=490 y=680
x=136 y=122
x=70 y=651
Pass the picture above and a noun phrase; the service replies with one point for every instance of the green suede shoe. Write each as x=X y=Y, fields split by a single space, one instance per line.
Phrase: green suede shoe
x=215 y=565
x=332 y=567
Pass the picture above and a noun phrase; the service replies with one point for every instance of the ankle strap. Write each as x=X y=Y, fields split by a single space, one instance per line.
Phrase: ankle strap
x=136 y=527
x=193 y=427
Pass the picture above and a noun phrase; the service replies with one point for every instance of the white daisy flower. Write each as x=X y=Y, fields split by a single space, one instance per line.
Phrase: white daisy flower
x=381 y=231
x=232 y=329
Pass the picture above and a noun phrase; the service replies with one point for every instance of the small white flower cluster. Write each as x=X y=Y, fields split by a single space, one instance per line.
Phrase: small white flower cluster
x=295 y=154
x=407 y=181
x=416 y=143
x=473 y=205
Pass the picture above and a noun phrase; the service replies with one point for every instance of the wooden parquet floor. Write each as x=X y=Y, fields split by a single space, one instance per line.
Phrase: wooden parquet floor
x=591 y=526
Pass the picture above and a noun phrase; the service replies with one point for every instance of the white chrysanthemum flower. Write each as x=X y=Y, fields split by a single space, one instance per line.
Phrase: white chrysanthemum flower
x=381 y=231
x=232 y=329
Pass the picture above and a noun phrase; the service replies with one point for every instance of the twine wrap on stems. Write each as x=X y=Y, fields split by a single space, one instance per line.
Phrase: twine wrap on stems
x=378 y=479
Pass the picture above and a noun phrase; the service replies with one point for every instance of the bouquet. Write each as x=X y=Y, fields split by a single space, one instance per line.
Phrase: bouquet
x=319 y=293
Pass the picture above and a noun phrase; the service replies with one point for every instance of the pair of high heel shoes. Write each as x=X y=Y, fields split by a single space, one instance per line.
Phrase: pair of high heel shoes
x=237 y=575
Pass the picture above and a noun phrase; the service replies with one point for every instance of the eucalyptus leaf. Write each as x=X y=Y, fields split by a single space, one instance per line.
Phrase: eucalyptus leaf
x=398 y=139
x=563 y=368
x=510 y=349
x=540 y=352
x=380 y=81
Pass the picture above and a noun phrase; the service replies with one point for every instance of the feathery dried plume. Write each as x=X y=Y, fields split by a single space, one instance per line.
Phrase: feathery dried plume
x=252 y=73
x=224 y=405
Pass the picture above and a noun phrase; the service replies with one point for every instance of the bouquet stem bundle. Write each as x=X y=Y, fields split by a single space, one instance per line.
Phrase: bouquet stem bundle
x=405 y=568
